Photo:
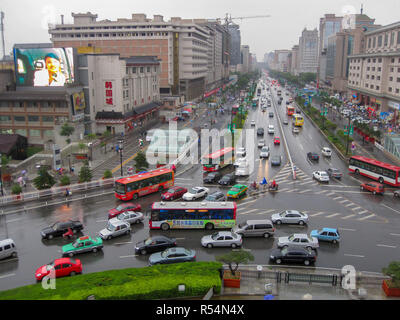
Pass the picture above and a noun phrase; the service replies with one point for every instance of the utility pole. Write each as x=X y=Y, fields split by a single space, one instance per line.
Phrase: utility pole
x=2 y=33
x=120 y=148
x=1 y=177
x=348 y=135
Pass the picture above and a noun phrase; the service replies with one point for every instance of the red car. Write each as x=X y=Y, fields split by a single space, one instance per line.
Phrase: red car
x=277 y=140
x=374 y=187
x=63 y=267
x=173 y=193
x=122 y=208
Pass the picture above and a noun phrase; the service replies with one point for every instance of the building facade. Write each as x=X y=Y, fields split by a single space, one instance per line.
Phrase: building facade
x=235 y=44
x=308 y=51
x=374 y=74
x=295 y=60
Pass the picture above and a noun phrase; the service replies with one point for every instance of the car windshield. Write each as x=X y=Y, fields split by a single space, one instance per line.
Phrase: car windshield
x=54 y=226
x=110 y=227
x=324 y=174
x=284 y=251
x=215 y=235
x=165 y=253
x=121 y=216
x=148 y=241
x=234 y=189
x=171 y=191
x=76 y=244
x=243 y=224
x=193 y=191
x=291 y=238
x=119 y=208
x=282 y=214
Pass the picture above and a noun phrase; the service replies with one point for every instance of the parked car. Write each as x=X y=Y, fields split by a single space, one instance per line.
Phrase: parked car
x=59 y=228
x=222 y=239
x=271 y=129
x=321 y=176
x=260 y=131
x=293 y=255
x=277 y=140
x=172 y=255
x=154 y=244
x=334 y=173
x=255 y=228
x=374 y=187
x=7 y=249
x=239 y=161
x=290 y=217
x=298 y=240
x=227 y=179
x=173 y=193
x=114 y=229
x=195 y=193
x=81 y=245
x=313 y=156
x=237 y=191
x=215 y=196
x=62 y=267
x=276 y=160
x=243 y=169
x=326 y=152
x=241 y=152
x=264 y=152
x=261 y=143
x=212 y=177
x=326 y=234
x=129 y=206
x=130 y=217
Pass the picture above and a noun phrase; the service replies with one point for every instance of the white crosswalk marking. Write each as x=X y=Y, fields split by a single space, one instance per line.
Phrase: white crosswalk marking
x=317 y=214
x=370 y=216
x=305 y=190
x=349 y=216
x=350 y=205
x=343 y=201
x=248 y=211
x=337 y=198
x=333 y=215
x=284 y=189
x=361 y=212
x=331 y=194
x=356 y=208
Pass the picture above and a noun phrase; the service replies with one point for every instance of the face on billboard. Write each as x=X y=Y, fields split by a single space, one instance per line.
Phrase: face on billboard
x=44 y=67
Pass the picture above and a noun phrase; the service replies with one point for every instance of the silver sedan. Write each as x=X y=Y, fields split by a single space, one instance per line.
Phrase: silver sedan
x=290 y=216
x=298 y=240
x=130 y=217
x=222 y=239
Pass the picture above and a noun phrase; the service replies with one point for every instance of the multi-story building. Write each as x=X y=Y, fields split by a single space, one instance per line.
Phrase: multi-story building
x=374 y=74
x=349 y=41
x=244 y=59
x=294 y=66
x=308 y=51
x=328 y=25
x=281 y=61
x=181 y=45
x=235 y=44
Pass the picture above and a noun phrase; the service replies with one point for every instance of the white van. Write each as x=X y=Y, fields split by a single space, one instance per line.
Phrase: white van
x=243 y=169
x=7 y=249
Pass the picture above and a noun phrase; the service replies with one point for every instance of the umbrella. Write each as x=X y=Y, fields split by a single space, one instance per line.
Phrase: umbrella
x=264 y=181
x=269 y=297
x=23 y=172
x=20 y=179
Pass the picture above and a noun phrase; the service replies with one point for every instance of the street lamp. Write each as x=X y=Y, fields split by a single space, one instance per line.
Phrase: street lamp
x=348 y=135
x=1 y=177
x=120 y=148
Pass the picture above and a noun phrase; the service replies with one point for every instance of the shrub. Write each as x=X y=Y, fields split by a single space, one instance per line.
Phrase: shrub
x=44 y=180
x=16 y=189
x=107 y=174
x=65 y=180
x=85 y=174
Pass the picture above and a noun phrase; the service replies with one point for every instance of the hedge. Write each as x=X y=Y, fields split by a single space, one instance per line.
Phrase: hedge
x=156 y=282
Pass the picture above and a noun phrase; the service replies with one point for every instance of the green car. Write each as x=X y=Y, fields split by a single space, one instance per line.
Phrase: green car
x=236 y=191
x=81 y=245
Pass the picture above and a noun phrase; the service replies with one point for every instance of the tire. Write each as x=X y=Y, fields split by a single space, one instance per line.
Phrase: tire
x=233 y=245
x=70 y=254
x=278 y=222
x=396 y=195
x=172 y=199
x=143 y=252
x=209 y=246
x=373 y=192
x=301 y=222
x=14 y=254
x=266 y=235
x=50 y=237
x=165 y=226
x=137 y=221
x=209 y=226
x=135 y=196
x=74 y=231
x=361 y=188
x=357 y=172
x=278 y=261
x=308 y=248
x=94 y=250
x=334 y=241
x=380 y=180
x=73 y=273
x=307 y=262
x=128 y=232
x=109 y=238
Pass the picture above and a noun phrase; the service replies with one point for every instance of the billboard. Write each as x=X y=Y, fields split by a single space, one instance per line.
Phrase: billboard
x=44 y=67
x=79 y=101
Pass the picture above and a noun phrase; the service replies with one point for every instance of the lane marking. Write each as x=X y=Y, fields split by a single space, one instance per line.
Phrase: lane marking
x=372 y=215
x=395 y=234
x=7 y=275
x=386 y=246
x=333 y=215
x=337 y=198
x=354 y=255
x=356 y=208
x=101 y=220
x=130 y=256
x=248 y=211
x=305 y=190
x=317 y=214
x=123 y=242
x=347 y=229
x=361 y=212
x=349 y=216
x=390 y=208
x=13 y=220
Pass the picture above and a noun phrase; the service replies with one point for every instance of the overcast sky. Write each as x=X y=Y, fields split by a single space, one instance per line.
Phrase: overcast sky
x=26 y=20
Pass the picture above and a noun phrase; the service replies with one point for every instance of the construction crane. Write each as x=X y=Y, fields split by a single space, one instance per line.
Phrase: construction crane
x=228 y=18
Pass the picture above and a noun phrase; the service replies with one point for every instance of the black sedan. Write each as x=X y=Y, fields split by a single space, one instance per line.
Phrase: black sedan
x=313 y=156
x=293 y=255
x=154 y=244
x=334 y=173
x=260 y=131
x=59 y=228
x=228 y=179
x=212 y=177
x=215 y=196
x=271 y=114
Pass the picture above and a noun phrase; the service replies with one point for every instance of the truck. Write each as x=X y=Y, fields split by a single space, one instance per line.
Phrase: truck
x=279 y=92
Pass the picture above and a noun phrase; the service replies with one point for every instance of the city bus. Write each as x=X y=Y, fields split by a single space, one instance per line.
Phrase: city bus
x=298 y=120
x=289 y=110
x=193 y=215
x=254 y=103
x=376 y=170
x=144 y=183
x=235 y=109
x=218 y=160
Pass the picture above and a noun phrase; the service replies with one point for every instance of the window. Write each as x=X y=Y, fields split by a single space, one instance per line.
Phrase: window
x=392 y=61
x=380 y=60
x=379 y=69
x=22 y=132
x=374 y=42
x=141 y=69
x=369 y=43
x=34 y=133
x=379 y=41
x=398 y=79
x=398 y=37
x=134 y=70
x=5 y=118
x=19 y=118
x=386 y=39
x=378 y=77
x=377 y=87
x=397 y=90
x=390 y=78
x=148 y=69
x=33 y=118
x=390 y=89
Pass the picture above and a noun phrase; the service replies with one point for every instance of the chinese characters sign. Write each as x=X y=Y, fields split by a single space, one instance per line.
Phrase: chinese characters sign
x=108 y=93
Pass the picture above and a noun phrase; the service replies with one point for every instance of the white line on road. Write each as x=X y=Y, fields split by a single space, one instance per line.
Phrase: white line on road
x=390 y=208
x=337 y=198
x=361 y=212
x=356 y=208
x=385 y=245
x=7 y=275
x=131 y=256
x=180 y=238
x=333 y=215
x=248 y=211
x=347 y=229
x=123 y=242
x=349 y=216
x=372 y=215
x=102 y=220
x=305 y=190
x=317 y=214
x=354 y=255
x=395 y=234
x=343 y=201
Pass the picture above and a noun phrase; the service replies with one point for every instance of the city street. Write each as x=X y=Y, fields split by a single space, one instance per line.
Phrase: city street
x=368 y=223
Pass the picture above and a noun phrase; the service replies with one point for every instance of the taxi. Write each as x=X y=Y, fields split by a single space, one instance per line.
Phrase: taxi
x=277 y=140
x=82 y=245
x=237 y=191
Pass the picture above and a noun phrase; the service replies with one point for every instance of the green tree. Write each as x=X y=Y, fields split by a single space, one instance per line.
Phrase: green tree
x=44 y=180
x=16 y=189
x=107 y=174
x=85 y=174
x=235 y=257
x=65 y=181
x=105 y=136
x=67 y=131
x=91 y=136
x=393 y=271
x=5 y=160
x=141 y=162
x=82 y=146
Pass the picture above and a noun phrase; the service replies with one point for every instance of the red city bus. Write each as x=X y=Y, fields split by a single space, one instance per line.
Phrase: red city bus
x=235 y=109
x=219 y=159
x=289 y=110
x=144 y=183
x=374 y=169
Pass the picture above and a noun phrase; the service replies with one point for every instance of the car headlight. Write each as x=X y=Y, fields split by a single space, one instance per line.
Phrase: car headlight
x=38 y=275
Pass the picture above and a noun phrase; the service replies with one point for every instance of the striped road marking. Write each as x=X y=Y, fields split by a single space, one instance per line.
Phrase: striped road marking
x=7 y=275
x=361 y=212
x=130 y=256
x=370 y=216
x=102 y=220
x=317 y=214
x=349 y=216
x=347 y=229
x=356 y=208
x=354 y=255
x=333 y=215
x=395 y=234
x=386 y=246
x=248 y=211
x=305 y=190
x=337 y=198
x=123 y=242
x=343 y=201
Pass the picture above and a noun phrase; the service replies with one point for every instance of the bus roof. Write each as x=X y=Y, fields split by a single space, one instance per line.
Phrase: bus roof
x=145 y=175
x=235 y=106
x=194 y=205
x=291 y=107
x=376 y=162
x=219 y=153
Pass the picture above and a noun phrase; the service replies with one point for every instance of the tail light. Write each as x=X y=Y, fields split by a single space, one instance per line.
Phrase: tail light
x=273 y=229
x=194 y=257
x=174 y=243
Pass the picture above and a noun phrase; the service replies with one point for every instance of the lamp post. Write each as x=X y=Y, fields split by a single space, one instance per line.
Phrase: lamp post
x=120 y=148
x=348 y=135
x=1 y=177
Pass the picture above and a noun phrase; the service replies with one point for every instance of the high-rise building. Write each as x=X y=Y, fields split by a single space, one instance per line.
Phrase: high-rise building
x=295 y=61
x=235 y=44
x=308 y=51
x=244 y=59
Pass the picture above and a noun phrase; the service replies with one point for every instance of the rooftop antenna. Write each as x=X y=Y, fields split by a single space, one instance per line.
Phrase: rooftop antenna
x=361 y=8
x=2 y=33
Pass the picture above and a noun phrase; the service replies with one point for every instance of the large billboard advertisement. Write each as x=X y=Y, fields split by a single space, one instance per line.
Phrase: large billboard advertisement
x=44 y=67
x=79 y=101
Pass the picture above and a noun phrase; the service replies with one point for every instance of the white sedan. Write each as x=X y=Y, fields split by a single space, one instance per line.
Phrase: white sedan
x=253 y=123
x=298 y=240
x=261 y=143
x=195 y=193
x=321 y=176
x=326 y=152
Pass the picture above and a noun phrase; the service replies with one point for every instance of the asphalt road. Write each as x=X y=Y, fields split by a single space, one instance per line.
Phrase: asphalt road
x=368 y=224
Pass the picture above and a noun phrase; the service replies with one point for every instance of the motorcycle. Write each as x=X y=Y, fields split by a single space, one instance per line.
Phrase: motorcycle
x=271 y=188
